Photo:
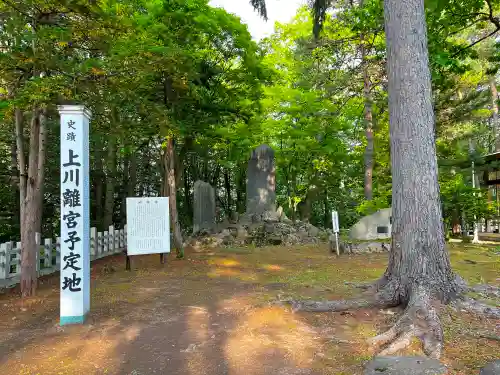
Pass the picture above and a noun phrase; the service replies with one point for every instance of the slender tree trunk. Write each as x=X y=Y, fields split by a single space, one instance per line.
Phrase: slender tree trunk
x=215 y=177
x=187 y=194
x=42 y=141
x=227 y=186
x=110 y=182
x=124 y=190
x=240 y=191
x=494 y=107
x=16 y=216
x=21 y=160
x=132 y=176
x=99 y=187
x=326 y=217
x=368 y=119
x=172 y=194
x=31 y=208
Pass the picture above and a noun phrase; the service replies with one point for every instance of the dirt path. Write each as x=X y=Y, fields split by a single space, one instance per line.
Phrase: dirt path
x=208 y=314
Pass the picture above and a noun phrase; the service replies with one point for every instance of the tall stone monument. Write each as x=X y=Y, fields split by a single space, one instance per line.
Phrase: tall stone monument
x=261 y=182
x=204 y=207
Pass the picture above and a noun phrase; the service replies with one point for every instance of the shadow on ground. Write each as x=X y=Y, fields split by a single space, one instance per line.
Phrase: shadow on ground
x=208 y=314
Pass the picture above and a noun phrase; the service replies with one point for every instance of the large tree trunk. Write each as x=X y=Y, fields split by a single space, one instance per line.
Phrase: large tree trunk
x=170 y=188
x=110 y=182
x=419 y=269
x=32 y=204
x=419 y=254
x=494 y=107
x=419 y=275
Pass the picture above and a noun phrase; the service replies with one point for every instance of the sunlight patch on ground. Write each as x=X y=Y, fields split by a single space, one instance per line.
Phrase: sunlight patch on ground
x=77 y=352
x=272 y=267
x=265 y=334
x=233 y=274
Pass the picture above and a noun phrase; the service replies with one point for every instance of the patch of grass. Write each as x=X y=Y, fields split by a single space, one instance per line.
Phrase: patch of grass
x=475 y=263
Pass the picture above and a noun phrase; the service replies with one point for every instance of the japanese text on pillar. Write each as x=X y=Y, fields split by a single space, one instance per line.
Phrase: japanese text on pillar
x=71 y=205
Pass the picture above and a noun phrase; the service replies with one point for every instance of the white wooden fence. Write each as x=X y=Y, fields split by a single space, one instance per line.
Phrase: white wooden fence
x=102 y=244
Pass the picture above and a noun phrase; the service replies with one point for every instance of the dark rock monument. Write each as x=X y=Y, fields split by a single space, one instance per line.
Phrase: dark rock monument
x=261 y=182
x=204 y=219
x=261 y=225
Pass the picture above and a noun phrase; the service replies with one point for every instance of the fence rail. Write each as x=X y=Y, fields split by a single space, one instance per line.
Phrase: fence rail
x=102 y=244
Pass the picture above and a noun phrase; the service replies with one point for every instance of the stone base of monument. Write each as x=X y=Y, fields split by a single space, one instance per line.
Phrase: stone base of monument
x=266 y=229
x=366 y=247
x=356 y=247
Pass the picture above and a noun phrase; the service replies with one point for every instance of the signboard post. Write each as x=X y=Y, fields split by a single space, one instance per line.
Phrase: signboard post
x=75 y=214
x=148 y=226
x=335 y=227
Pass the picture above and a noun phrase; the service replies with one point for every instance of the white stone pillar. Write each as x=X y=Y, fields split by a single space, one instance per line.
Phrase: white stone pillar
x=75 y=214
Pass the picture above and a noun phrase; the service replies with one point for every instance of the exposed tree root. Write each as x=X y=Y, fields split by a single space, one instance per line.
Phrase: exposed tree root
x=336 y=306
x=363 y=286
x=476 y=307
x=486 y=290
x=420 y=320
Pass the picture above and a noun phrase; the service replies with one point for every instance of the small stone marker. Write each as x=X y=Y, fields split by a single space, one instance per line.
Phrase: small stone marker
x=148 y=226
x=404 y=366
x=75 y=217
x=261 y=181
x=492 y=368
x=204 y=207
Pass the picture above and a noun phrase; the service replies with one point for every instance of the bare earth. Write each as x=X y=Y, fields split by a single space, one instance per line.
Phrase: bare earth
x=211 y=314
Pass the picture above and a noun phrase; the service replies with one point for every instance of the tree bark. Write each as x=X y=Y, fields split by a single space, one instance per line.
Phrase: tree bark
x=99 y=179
x=15 y=182
x=41 y=167
x=172 y=194
x=241 y=190
x=110 y=183
x=494 y=107
x=21 y=160
x=419 y=267
x=419 y=275
x=32 y=205
x=368 y=120
x=124 y=189
x=326 y=216
x=187 y=194
x=227 y=186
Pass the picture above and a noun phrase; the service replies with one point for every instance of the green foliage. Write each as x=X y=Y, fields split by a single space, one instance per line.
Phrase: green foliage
x=154 y=69
x=461 y=201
